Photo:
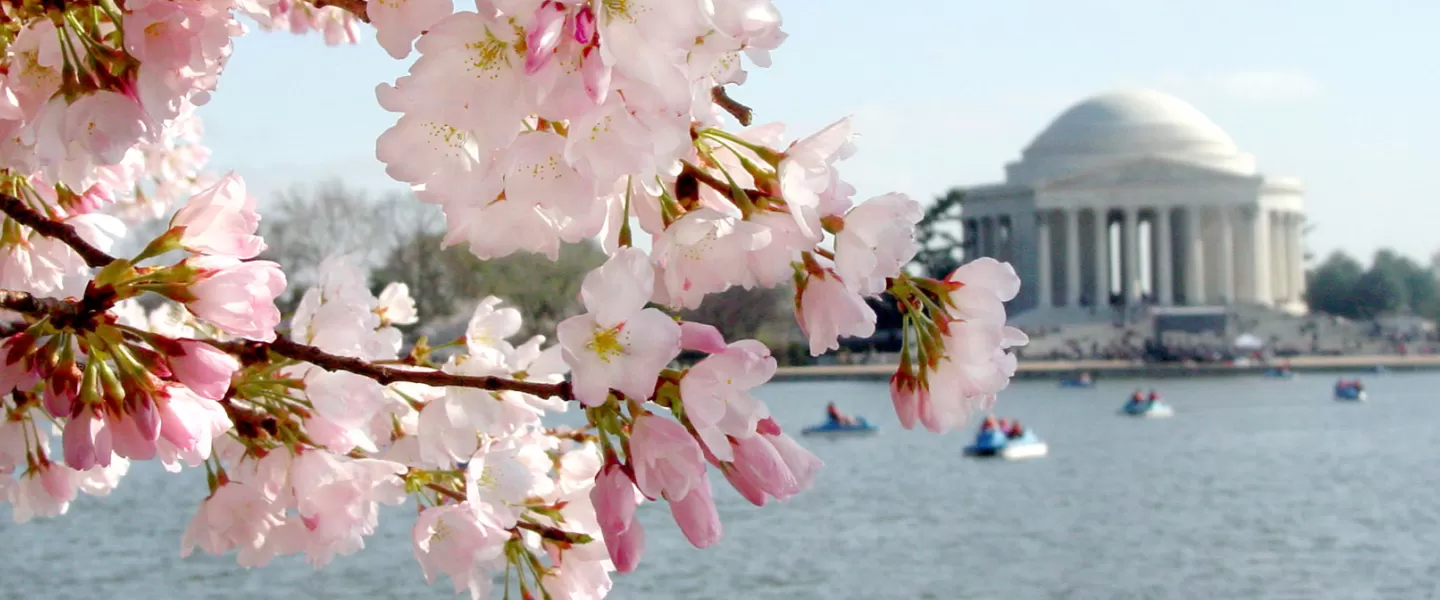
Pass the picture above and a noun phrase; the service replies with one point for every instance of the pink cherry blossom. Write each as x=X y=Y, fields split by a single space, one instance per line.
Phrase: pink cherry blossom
x=450 y=539
x=805 y=173
x=43 y=492
x=106 y=125
x=398 y=23
x=203 y=368
x=188 y=421
x=976 y=367
x=830 y=309
x=716 y=394
x=618 y=344
x=238 y=297
x=220 y=220
x=396 y=306
x=704 y=253
x=235 y=516
x=771 y=264
x=983 y=285
x=878 y=240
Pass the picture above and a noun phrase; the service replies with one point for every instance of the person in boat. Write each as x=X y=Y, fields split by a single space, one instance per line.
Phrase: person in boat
x=1016 y=430
x=836 y=417
x=988 y=425
x=1152 y=398
x=1085 y=378
x=1137 y=398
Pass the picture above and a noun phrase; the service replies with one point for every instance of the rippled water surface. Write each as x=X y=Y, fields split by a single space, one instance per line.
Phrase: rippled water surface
x=1256 y=489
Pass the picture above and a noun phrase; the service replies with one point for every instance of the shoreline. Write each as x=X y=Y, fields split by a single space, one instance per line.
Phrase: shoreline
x=1100 y=369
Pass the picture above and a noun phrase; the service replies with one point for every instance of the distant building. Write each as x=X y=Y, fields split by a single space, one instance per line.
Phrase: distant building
x=1137 y=198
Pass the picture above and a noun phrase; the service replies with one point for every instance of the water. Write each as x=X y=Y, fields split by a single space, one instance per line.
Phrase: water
x=1258 y=488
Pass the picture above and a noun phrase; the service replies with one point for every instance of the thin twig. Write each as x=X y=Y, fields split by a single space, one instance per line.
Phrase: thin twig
x=47 y=227
x=741 y=112
x=254 y=351
x=452 y=494
x=354 y=7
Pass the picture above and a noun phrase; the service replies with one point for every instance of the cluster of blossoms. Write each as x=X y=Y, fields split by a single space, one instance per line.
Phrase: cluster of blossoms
x=532 y=123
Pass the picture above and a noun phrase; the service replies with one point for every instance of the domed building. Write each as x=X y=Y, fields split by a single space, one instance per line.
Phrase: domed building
x=1137 y=198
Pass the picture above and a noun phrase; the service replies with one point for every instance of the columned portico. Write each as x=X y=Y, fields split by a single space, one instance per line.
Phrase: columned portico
x=1138 y=198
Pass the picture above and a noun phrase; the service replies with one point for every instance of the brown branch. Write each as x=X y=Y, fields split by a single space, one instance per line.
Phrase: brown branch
x=81 y=314
x=354 y=7
x=742 y=113
x=64 y=314
x=47 y=227
x=719 y=185
x=252 y=351
x=452 y=494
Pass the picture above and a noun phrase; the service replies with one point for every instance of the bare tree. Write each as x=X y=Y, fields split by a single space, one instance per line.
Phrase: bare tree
x=305 y=227
x=760 y=313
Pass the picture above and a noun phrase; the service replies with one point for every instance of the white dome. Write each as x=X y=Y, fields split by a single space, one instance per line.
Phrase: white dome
x=1122 y=126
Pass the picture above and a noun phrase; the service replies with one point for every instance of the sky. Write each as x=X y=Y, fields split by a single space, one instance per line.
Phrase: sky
x=1339 y=94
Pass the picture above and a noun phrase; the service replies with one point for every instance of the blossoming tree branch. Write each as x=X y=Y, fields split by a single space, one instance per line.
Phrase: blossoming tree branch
x=532 y=123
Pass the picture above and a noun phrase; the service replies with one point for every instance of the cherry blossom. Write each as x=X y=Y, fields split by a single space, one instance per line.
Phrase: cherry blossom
x=618 y=344
x=220 y=220
x=828 y=309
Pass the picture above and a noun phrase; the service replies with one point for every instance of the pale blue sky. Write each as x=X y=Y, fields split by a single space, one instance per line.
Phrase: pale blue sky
x=1343 y=95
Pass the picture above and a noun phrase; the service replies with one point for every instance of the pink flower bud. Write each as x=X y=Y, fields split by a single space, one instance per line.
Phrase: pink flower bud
x=86 y=441
x=758 y=461
x=905 y=394
x=238 y=297
x=203 y=368
x=627 y=547
x=596 y=75
x=585 y=25
x=748 y=488
x=543 y=36
x=130 y=438
x=220 y=220
x=697 y=517
x=614 y=499
x=667 y=461
x=701 y=337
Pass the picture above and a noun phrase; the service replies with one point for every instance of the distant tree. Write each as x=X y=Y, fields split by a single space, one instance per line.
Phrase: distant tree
x=1379 y=292
x=939 y=236
x=448 y=283
x=760 y=313
x=306 y=226
x=1331 y=285
x=1420 y=292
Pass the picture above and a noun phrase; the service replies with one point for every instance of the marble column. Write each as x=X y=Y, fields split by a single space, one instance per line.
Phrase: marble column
x=1195 y=257
x=1297 y=257
x=1130 y=246
x=1226 y=222
x=1280 y=257
x=1042 y=244
x=1261 y=230
x=1165 y=276
x=986 y=236
x=1072 y=257
x=1101 y=294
